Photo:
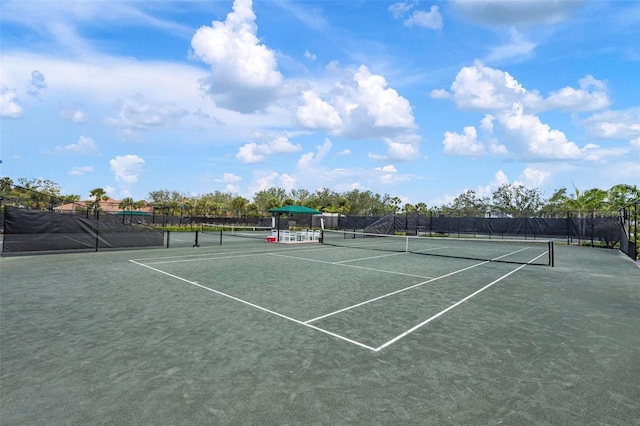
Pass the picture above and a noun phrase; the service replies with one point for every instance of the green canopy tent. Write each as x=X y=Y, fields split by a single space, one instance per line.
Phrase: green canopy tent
x=291 y=210
x=294 y=210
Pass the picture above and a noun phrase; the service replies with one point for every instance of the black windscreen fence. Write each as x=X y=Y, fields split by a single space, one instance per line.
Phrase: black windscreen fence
x=628 y=217
x=34 y=230
x=163 y=220
x=574 y=228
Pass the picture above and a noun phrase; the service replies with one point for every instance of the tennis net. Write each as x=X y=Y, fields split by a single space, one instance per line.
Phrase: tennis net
x=259 y=232
x=534 y=252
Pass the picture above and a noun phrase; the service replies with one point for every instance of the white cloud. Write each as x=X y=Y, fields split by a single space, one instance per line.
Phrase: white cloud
x=529 y=178
x=400 y=8
x=597 y=154
x=420 y=18
x=232 y=188
x=389 y=173
x=495 y=147
x=591 y=96
x=314 y=113
x=127 y=168
x=533 y=178
x=9 y=106
x=80 y=171
x=624 y=124
x=229 y=178
x=440 y=94
x=398 y=150
x=517 y=48
x=512 y=106
x=483 y=88
x=257 y=152
x=534 y=140
x=100 y=79
x=137 y=115
x=389 y=168
x=466 y=144
x=361 y=106
x=73 y=114
x=232 y=182
x=384 y=105
x=309 y=55
x=244 y=73
x=486 y=123
x=84 y=146
x=499 y=179
x=287 y=182
x=110 y=190
x=470 y=145
x=36 y=84
x=311 y=160
x=263 y=180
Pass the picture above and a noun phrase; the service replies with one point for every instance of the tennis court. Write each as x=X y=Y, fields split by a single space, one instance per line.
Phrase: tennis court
x=250 y=332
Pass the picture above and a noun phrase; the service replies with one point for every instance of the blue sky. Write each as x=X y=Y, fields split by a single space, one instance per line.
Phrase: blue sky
x=417 y=99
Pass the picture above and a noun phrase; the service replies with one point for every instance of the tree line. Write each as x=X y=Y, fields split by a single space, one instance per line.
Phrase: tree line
x=507 y=200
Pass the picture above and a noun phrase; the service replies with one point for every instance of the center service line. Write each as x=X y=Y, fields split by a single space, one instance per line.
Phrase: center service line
x=408 y=288
x=253 y=305
x=411 y=330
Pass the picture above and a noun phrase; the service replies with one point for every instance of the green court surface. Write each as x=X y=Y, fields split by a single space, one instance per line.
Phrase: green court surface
x=259 y=333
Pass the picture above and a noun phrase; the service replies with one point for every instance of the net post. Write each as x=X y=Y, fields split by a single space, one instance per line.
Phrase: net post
x=221 y=236
x=551 y=254
x=196 y=242
x=168 y=237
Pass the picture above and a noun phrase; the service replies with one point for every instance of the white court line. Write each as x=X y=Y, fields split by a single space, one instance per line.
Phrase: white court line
x=409 y=288
x=392 y=254
x=235 y=256
x=379 y=348
x=411 y=330
x=253 y=305
x=368 y=258
x=216 y=255
x=326 y=262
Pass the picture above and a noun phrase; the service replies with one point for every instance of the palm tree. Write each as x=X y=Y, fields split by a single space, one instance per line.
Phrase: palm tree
x=422 y=208
x=126 y=204
x=99 y=194
x=619 y=196
x=6 y=184
x=239 y=204
x=139 y=205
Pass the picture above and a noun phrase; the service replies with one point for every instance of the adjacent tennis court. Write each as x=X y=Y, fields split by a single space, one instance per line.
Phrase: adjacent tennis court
x=353 y=331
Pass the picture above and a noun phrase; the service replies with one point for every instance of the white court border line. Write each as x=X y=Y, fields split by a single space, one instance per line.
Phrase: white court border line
x=459 y=302
x=410 y=287
x=341 y=263
x=219 y=255
x=346 y=339
x=253 y=305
